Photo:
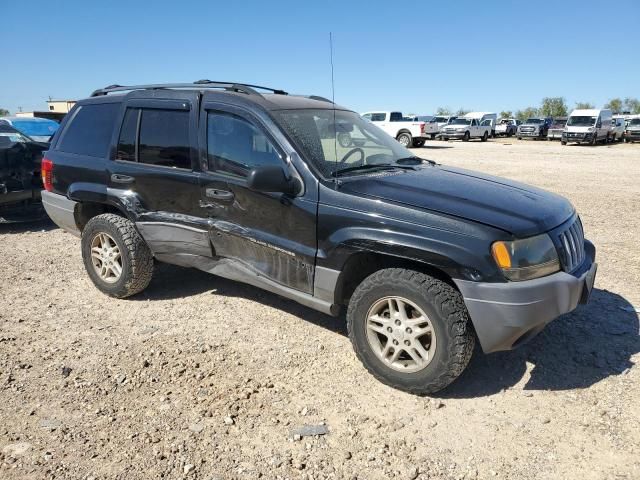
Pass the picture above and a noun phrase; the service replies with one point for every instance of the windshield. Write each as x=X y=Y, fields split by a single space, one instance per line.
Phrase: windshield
x=38 y=128
x=535 y=121
x=635 y=122
x=581 y=121
x=461 y=121
x=13 y=137
x=506 y=121
x=440 y=119
x=349 y=141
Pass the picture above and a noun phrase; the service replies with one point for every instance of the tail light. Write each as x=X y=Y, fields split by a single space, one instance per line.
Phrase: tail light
x=422 y=127
x=47 y=174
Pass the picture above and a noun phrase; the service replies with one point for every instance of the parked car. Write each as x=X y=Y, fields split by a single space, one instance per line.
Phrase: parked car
x=482 y=117
x=464 y=128
x=534 y=128
x=588 y=126
x=38 y=129
x=241 y=184
x=556 y=128
x=618 y=126
x=507 y=127
x=632 y=131
x=408 y=132
x=431 y=127
x=442 y=121
x=20 y=182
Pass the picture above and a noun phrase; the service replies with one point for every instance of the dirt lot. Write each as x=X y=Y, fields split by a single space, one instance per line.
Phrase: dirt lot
x=201 y=377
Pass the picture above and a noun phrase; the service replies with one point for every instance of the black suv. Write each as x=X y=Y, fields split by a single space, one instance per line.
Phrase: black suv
x=255 y=187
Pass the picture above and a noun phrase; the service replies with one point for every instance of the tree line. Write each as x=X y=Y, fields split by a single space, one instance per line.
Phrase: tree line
x=556 y=107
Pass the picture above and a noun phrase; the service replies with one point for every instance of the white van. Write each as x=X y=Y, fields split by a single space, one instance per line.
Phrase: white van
x=482 y=117
x=588 y=126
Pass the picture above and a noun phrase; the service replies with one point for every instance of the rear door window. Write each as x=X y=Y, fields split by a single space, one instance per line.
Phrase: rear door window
x=128 y=135
x=89 y=132
x=164 y=138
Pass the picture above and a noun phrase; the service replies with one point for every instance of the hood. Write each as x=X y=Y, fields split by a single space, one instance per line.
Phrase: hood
x=576 y=129
x=514 y=207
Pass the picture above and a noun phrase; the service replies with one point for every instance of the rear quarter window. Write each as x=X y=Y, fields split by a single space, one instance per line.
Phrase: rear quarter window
x=89 y=132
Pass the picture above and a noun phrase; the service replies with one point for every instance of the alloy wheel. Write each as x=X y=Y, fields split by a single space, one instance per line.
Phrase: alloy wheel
x=400 y=334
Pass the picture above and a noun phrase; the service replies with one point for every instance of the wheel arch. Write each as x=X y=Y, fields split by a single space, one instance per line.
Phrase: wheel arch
x=96 y=199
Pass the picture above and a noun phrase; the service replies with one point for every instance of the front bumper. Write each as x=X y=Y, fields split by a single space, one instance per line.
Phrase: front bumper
x=632 y=135
x=533 y=134
x=453 y=134
x=553 y=134
x=506 y=315
x=577 y=137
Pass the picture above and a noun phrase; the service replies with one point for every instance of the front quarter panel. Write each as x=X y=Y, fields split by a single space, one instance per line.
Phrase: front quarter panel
x=349 y=224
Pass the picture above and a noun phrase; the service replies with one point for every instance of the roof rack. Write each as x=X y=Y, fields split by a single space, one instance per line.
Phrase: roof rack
x=229 y=86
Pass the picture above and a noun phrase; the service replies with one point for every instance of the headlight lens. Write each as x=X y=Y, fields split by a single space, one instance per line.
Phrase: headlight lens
x=527 y=258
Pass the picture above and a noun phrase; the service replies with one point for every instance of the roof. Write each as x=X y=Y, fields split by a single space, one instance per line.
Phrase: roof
x=587 y=112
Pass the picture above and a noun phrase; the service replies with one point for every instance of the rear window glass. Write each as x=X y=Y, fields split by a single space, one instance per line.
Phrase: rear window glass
x=89 y=132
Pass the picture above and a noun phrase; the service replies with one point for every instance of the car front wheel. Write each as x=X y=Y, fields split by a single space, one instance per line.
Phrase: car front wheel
x=410 y=330
x=115 y=256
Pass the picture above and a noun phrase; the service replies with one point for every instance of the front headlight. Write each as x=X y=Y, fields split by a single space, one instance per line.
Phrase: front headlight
x=590 y=129
x=526 y=259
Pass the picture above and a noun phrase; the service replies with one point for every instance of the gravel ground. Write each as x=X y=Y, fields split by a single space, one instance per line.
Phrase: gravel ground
x=204 y=378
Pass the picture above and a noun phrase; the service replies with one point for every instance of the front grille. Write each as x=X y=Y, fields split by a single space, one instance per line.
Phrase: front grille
x=575 y=135
x=527 y=129
x=570 y=243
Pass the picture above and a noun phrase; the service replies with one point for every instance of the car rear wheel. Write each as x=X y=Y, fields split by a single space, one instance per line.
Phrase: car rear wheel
x=405 y=139
x=410 y=330
x=115 y=256
x=418 y=143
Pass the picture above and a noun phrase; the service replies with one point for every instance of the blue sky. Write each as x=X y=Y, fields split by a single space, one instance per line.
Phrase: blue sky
x=412 y=56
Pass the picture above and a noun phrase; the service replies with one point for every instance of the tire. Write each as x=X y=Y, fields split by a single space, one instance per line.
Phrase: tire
x=445 y=139
x=418 y=143
x=594 y=140
x=613 y=139
x=466 y=137
x=405 y=139
x=452 y=337
x=509 y=133
x=562 y=142
x=626 y=140
x=136 y=259
x=484 y=137
x=433 y=136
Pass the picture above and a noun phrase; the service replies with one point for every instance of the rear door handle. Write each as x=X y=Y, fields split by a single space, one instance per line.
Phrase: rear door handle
x=219 y=194
x=118 y=178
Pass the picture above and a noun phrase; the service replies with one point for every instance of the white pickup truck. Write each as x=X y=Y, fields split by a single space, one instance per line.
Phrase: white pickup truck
x=407 y=131
x=467 y=128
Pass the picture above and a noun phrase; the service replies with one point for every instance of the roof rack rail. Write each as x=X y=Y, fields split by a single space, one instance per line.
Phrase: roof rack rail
x=229 y=86
x=319 y=98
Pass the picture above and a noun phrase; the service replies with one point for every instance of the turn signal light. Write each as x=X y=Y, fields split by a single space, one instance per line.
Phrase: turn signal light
x=501 y=255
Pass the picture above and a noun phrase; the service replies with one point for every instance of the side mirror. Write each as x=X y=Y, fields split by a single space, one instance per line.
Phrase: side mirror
x=271 y=178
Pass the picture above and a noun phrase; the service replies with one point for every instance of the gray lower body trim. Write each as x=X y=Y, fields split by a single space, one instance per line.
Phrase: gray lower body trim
x=324 y=283
x=234 y=270
x=61 y=210
x=505 y=315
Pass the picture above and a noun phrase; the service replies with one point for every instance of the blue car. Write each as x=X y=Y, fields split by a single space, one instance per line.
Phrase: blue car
x=38 y=129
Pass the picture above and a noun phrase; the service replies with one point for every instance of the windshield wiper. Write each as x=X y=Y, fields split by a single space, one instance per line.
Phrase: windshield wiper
x=369 y=166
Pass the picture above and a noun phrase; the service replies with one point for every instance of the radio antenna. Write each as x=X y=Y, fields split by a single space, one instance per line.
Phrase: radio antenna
x=333 y=100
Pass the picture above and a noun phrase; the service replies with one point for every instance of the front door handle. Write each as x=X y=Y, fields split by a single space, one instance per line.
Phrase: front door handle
x=218 y=194
x=118 y=178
